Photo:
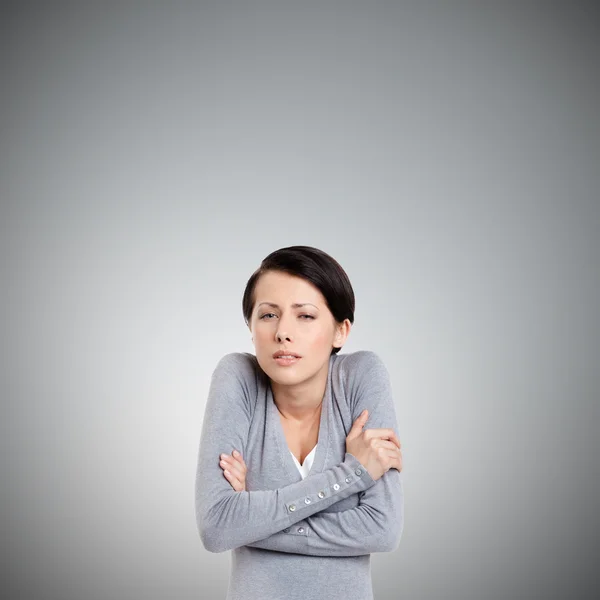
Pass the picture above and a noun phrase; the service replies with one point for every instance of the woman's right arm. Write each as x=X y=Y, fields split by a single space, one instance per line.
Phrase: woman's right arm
x=228 y=519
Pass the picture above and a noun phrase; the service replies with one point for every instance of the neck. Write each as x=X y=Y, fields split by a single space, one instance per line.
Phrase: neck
x=298 y=413
x=302 y=403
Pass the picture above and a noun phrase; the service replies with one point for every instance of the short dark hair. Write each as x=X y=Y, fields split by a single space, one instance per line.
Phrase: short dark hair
x=318 y=268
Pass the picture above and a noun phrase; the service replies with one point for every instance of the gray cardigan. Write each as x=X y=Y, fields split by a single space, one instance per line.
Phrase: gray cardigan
x=297 y=538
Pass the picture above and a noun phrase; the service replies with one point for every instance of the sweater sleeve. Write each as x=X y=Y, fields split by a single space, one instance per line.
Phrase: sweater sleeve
x=227 y=519
x=376 y=524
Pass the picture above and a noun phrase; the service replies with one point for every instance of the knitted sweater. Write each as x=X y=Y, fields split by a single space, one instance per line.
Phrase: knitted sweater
x=293 y=537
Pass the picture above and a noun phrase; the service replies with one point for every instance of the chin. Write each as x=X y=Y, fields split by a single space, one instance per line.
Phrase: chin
x=285 y=375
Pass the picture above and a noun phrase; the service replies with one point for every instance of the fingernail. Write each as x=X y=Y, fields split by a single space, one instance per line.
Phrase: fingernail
x=235 y=452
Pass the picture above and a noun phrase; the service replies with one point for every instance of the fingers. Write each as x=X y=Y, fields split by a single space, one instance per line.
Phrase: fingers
x=393 y=458
x=398 y=463
x=235 y=466
x=379 y=443
x=234 y=481
x=387 y=434
x=234 y=471
x=360 y=421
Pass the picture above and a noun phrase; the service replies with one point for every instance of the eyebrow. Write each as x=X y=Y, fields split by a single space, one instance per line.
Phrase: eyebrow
x=295 y=305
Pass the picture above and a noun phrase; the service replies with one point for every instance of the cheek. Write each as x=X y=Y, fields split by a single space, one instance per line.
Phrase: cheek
x=322 y=338
x=262 y=336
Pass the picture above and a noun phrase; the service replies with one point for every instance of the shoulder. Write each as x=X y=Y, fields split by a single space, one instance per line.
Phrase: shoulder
x=360 y=371
x=366 y=383
x=360 y=362
x=235 y=384
x=243 y=363
x=239 y=369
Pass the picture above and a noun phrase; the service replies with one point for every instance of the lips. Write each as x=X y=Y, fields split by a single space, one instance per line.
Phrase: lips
x=281 y=353
x=282 y=361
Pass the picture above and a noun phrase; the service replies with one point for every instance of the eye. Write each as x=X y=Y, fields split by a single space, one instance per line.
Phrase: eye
x=307 y=317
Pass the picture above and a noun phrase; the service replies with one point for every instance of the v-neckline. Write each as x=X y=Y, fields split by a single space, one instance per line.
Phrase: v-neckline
x=310 y=455
x=287 y=459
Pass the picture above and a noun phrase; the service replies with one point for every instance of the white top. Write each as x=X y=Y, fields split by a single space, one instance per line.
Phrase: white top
x=304 y=468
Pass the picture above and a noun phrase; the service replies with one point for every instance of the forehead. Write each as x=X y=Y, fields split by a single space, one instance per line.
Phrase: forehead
x=276 y=286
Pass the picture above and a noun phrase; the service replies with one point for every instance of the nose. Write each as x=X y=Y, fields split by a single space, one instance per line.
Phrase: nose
x=283 y=331
x=282 y=336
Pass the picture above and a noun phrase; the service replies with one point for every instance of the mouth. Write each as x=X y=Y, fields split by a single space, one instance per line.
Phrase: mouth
x=285 y=353
x=286 y=360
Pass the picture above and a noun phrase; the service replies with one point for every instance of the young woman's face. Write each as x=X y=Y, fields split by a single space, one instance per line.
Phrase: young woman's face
x=309 y=331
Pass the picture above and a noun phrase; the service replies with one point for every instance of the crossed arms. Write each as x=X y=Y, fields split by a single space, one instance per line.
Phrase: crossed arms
x=292 y=518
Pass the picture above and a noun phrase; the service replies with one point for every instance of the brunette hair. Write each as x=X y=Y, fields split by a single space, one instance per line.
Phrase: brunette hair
x=318 y=268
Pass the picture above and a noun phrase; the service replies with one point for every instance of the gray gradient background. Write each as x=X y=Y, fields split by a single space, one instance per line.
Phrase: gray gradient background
x=447 y=154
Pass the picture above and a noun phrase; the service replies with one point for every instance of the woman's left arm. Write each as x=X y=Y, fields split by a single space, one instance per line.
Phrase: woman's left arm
x=376 y=524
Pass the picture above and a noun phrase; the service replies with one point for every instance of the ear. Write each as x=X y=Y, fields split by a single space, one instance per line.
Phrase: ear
x=341 y=333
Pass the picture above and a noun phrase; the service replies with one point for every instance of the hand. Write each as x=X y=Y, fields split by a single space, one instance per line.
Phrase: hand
x=378 y=450
x=234 y=470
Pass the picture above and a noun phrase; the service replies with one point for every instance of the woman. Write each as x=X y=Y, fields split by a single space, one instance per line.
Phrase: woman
x=287 y=477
